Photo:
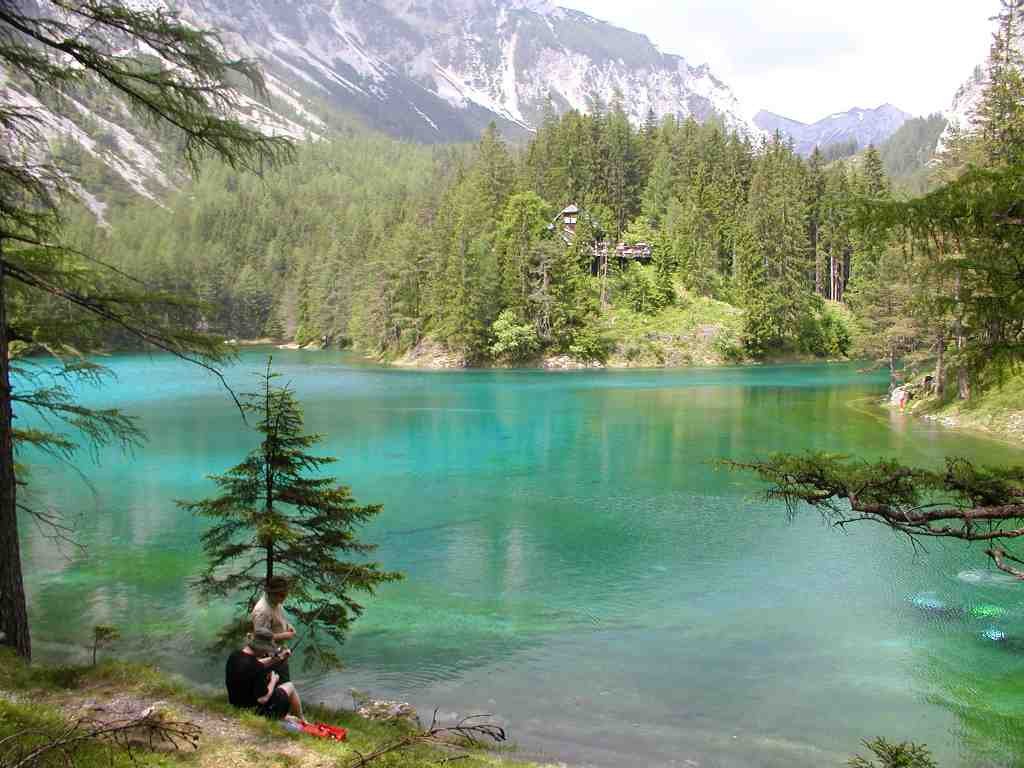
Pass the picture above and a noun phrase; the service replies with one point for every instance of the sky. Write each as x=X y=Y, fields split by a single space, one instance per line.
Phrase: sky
x=806 y=59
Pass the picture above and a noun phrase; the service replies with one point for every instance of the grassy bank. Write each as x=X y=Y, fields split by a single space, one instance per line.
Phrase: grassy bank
x=696 y=331
x=997 y=410
x=39 y=703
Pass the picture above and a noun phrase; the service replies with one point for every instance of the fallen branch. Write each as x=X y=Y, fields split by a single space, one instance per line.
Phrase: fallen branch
x=465 y=734
x=150 y=728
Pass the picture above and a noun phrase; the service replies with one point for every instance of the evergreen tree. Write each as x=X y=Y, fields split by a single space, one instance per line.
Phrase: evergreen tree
x=814 y=194
x=775 y=274
x=834 y=233
x=659 y=189
x=999 y=118
x=182 y=82
x=272 y=519
x=523 y=222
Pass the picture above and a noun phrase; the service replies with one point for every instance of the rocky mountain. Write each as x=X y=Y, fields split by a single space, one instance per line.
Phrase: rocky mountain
x=863 y=126
x=427 y=70
x=440 y=70
x=965 y=102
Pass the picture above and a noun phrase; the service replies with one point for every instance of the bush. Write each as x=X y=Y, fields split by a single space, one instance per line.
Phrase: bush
x=639 y=290
x=589 y=344
x=513 y=342
x=728 y=346
x=825 y=334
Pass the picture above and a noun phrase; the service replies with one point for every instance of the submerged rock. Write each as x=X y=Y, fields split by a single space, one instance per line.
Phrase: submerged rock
x=929 y=601
x=987 y=611
x=384 y=710
x=995 y=634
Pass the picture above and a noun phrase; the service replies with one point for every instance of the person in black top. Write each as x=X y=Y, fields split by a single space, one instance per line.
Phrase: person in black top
x=253 y=683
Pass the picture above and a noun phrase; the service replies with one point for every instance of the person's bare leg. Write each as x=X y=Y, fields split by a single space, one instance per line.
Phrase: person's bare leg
x=295 y=702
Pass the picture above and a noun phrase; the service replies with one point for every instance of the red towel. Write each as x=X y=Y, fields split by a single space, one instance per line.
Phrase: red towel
x=324 y=731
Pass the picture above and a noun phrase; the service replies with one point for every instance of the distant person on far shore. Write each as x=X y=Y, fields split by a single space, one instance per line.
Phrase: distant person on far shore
x=268 y=616
x=253 y=681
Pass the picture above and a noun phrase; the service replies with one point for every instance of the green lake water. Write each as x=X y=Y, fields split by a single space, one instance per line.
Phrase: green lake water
x=575 y=565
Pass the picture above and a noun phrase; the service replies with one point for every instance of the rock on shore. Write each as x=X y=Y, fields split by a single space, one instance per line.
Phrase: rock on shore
x=431 y=354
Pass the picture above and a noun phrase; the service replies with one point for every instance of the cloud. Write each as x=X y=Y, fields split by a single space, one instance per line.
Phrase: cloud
x=765 y=36
x=809 y=58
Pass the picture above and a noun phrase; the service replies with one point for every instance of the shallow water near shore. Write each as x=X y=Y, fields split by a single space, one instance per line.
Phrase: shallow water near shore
x=575 y=563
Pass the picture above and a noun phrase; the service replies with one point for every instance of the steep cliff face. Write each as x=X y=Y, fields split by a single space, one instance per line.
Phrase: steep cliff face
x=865 y=126
x=439 y=70
x=960 y=114
x=427 y=70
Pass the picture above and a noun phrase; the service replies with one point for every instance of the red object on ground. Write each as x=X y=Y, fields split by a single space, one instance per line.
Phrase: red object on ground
x=324 y=731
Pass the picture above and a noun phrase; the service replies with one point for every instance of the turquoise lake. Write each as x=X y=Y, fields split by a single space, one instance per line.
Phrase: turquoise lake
x=575 y=564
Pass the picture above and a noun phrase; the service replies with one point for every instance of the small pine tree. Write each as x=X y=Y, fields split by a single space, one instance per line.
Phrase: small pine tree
x=272 y=518
x=904 y=755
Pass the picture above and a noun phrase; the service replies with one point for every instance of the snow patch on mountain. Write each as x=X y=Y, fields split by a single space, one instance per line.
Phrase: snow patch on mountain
x=464 y=59
x=429 y=70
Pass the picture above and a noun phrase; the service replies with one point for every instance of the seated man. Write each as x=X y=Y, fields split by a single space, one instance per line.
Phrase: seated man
x=253 y=682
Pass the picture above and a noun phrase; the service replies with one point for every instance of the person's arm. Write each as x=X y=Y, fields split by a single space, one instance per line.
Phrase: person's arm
x=288 y=634
x=289 y=631
x=277 y=658
x=271 y=684
x=264 y=619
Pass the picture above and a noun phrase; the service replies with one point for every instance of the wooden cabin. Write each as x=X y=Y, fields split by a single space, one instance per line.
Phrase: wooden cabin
x=640 y=252
x=569 y=218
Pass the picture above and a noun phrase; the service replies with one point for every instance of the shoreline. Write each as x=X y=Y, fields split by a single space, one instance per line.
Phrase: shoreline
x=449 y=361
x=53 y=697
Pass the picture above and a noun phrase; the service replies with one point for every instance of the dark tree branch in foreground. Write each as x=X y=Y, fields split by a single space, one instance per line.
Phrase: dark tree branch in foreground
x=30 y=748
x=470 y=732
x=963 y=502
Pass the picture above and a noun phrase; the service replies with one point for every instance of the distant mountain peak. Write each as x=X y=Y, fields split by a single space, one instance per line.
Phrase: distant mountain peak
x=865 y=126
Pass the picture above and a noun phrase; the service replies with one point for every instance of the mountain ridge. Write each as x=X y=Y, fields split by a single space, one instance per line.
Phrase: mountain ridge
x=439 y=70
x=864 y=126
x=433 y=71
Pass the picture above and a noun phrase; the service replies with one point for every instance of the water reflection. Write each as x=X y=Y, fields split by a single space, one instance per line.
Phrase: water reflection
x=574 y=561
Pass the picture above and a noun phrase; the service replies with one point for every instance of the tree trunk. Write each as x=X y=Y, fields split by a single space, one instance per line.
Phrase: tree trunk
x=13 y=609
x=604 y=279
x=835 y=291
x=963 y=381
x=940 y=368
x=269 y=442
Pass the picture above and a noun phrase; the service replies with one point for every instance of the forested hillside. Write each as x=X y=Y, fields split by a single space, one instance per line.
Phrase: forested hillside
x=908 y=153
x=385 y=244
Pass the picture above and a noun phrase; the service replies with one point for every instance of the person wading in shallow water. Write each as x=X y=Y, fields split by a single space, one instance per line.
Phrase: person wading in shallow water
x=253 y=681
x=268 y=615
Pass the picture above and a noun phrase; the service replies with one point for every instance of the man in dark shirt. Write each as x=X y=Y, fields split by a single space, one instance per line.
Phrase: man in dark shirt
x=253 y=683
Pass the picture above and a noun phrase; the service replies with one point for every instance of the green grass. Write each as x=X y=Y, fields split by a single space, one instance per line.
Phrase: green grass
x=695 y=331
x=997 y=408
x=39 y=686
x=36 y=724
